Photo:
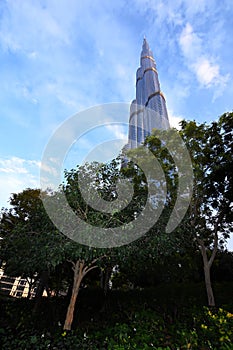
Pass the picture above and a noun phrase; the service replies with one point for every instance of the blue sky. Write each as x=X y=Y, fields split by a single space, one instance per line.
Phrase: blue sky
x=60 y=57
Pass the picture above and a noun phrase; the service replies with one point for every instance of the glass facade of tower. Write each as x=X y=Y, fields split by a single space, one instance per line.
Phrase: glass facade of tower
x=148 y=111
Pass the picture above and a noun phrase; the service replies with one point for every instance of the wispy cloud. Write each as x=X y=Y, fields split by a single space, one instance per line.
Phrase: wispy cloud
x=16 y=174
x=17 y=165
x=118 y=131
x=200 y=63
x=208 y=73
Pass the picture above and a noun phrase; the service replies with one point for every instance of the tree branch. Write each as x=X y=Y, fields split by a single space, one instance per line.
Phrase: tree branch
x=202 y=249
x=73 y=264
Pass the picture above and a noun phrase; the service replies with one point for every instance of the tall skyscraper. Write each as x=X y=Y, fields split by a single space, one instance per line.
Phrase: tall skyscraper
x=148 y=110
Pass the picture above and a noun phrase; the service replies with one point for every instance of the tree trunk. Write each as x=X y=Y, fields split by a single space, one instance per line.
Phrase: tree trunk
x=80 y=270
x=105 y=279
x=43 y=284
x=71 y=307
x=29 y=289
x=209 y=290
x=78 y=276
x=207 y=265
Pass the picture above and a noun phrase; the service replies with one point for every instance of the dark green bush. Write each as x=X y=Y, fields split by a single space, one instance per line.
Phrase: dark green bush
x=144 y=330
x=168 y=317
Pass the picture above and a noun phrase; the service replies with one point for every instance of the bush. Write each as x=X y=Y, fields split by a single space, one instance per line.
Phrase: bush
x=163 y=318
x=144 y=330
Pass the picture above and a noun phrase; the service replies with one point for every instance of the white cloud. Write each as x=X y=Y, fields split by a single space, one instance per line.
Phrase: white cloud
x=206 y=72
x=49 y=170
x=118 y=131
x=16 y=174
x=54 y=160
x=16 y=165
x=196 y=7
x=189 y=41
x=175 y=12
x=174 y=120
x=205 y=68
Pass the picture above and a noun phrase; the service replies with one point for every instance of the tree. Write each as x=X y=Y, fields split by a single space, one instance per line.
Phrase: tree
x=102 y=202
x=209 y=220
x=31 y=245
x=160 y=183
x=210 y=147
x=84 y=258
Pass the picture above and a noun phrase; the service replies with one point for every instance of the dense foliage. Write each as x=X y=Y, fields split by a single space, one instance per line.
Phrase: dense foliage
x=167 y=317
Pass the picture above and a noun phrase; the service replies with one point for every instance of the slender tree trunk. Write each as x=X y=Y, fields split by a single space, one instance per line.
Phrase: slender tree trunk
x=29 y=290
x=43 y=284
x=105 y=285
x=207 y=265
x=71 y=307
x=209 y=290
x=208 y=262
x=80 y=270
x=105 y=279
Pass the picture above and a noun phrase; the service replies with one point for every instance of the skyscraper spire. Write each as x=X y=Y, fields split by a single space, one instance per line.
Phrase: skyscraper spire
x=145 y=48
x=148 y=110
